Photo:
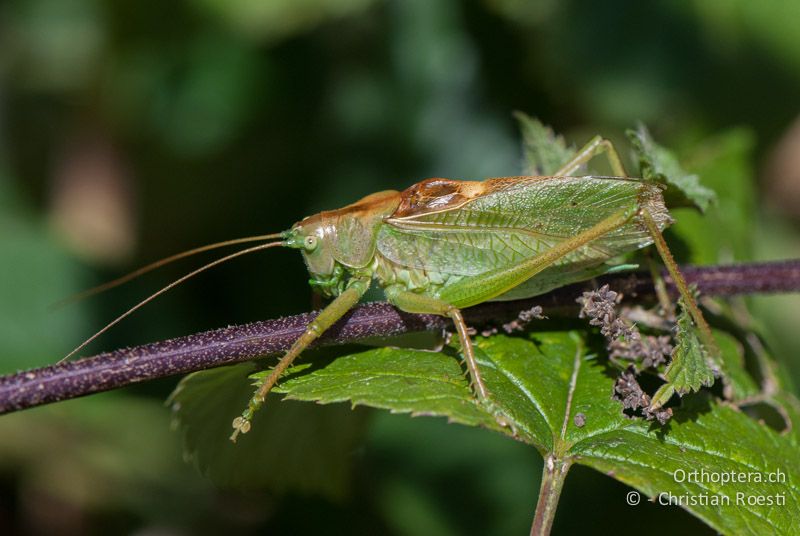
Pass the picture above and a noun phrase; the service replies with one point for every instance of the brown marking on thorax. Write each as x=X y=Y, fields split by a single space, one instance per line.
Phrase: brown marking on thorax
x=380 y=202
x=440 y=195
x=435 y=195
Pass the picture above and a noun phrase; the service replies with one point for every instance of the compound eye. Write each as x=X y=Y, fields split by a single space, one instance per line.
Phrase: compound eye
x=310 y=243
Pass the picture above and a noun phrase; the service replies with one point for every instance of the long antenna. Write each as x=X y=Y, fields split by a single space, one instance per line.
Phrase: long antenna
x=158 y=264
x=165 y=289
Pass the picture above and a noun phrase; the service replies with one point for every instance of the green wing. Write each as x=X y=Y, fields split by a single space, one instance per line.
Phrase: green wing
x=516 y=219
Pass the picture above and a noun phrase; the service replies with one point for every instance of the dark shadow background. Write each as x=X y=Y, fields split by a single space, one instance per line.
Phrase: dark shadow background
x=132 y=130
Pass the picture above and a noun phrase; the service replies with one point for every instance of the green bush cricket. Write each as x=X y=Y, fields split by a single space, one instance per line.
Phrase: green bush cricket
x=443 y=245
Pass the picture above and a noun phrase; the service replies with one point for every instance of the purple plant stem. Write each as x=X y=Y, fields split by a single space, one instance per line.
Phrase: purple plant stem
x=235 y=344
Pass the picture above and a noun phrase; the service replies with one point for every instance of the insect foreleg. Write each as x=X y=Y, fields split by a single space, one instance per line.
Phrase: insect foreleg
x=595 y=147
x=680 y=283
x=333 y=312
x=413 y=302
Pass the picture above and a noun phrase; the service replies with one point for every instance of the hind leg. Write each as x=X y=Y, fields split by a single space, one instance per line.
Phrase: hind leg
x=595 y=147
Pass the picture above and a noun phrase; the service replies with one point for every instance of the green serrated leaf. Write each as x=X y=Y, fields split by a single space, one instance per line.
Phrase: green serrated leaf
x=402 y=380
x=292 y=447
x=725 y=231
x=556 y=396
x=545 y=152
x=658 y=164
x=689 y=369
x=739 y=385
x=688 y=459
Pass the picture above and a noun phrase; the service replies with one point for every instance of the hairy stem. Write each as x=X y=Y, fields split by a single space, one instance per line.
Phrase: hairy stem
x=241 y=343
x=553 y=475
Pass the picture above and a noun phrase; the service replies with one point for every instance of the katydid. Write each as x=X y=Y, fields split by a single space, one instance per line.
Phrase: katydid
x=443 y=245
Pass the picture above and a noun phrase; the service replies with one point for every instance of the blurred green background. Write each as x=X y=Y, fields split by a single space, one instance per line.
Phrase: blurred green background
x=132 y=130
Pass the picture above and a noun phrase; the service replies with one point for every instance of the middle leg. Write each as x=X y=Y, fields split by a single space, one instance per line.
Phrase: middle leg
x=413 y=302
